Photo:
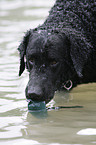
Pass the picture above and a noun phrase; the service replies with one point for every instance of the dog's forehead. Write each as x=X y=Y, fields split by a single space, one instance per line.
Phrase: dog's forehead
x=44 y=45
x=36 y=44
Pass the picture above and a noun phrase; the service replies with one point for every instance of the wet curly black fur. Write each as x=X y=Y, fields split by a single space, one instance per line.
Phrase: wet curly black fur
x=62 y=48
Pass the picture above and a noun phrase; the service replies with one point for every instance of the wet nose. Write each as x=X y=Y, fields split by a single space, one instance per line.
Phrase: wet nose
x=35 y=94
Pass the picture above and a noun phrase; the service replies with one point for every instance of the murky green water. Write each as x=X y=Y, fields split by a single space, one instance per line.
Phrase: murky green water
x=17 y=126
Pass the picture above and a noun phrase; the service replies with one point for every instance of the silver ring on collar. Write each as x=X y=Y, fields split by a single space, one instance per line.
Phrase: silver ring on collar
x=68 y=82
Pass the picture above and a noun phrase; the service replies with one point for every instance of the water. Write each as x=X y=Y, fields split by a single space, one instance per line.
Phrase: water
x=17 y=126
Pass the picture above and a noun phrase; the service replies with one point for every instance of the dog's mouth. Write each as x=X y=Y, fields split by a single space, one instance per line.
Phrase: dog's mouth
x=37 y=100
x=36 y=106
x=38 y=103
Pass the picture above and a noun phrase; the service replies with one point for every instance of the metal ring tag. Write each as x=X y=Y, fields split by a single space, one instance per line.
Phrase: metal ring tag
x=71 y=84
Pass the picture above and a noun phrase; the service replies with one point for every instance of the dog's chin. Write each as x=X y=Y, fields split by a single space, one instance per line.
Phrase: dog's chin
x=46 y=100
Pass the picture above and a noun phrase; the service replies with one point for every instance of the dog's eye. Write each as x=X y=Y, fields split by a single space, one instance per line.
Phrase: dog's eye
x=32 y=60
x=53 y=62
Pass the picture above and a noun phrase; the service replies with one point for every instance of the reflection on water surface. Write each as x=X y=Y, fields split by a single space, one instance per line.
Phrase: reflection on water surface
x=17 y=125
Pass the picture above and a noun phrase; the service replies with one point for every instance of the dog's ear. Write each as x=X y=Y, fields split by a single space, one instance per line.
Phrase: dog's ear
x=22 y=49
x=79 y=52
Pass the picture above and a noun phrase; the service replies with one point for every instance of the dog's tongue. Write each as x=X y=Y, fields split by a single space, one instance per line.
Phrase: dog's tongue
x=36 y=106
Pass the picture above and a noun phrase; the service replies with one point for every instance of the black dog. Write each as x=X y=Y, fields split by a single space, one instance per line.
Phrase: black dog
x=61 y=52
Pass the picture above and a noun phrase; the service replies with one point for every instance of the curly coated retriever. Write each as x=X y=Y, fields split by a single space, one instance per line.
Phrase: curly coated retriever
x=61 y=52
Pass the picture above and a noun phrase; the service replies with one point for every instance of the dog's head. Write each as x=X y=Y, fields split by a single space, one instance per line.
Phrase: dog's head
x=50 y=61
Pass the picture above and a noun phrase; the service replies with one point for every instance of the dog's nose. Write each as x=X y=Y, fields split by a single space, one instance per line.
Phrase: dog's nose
x=35 y=94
